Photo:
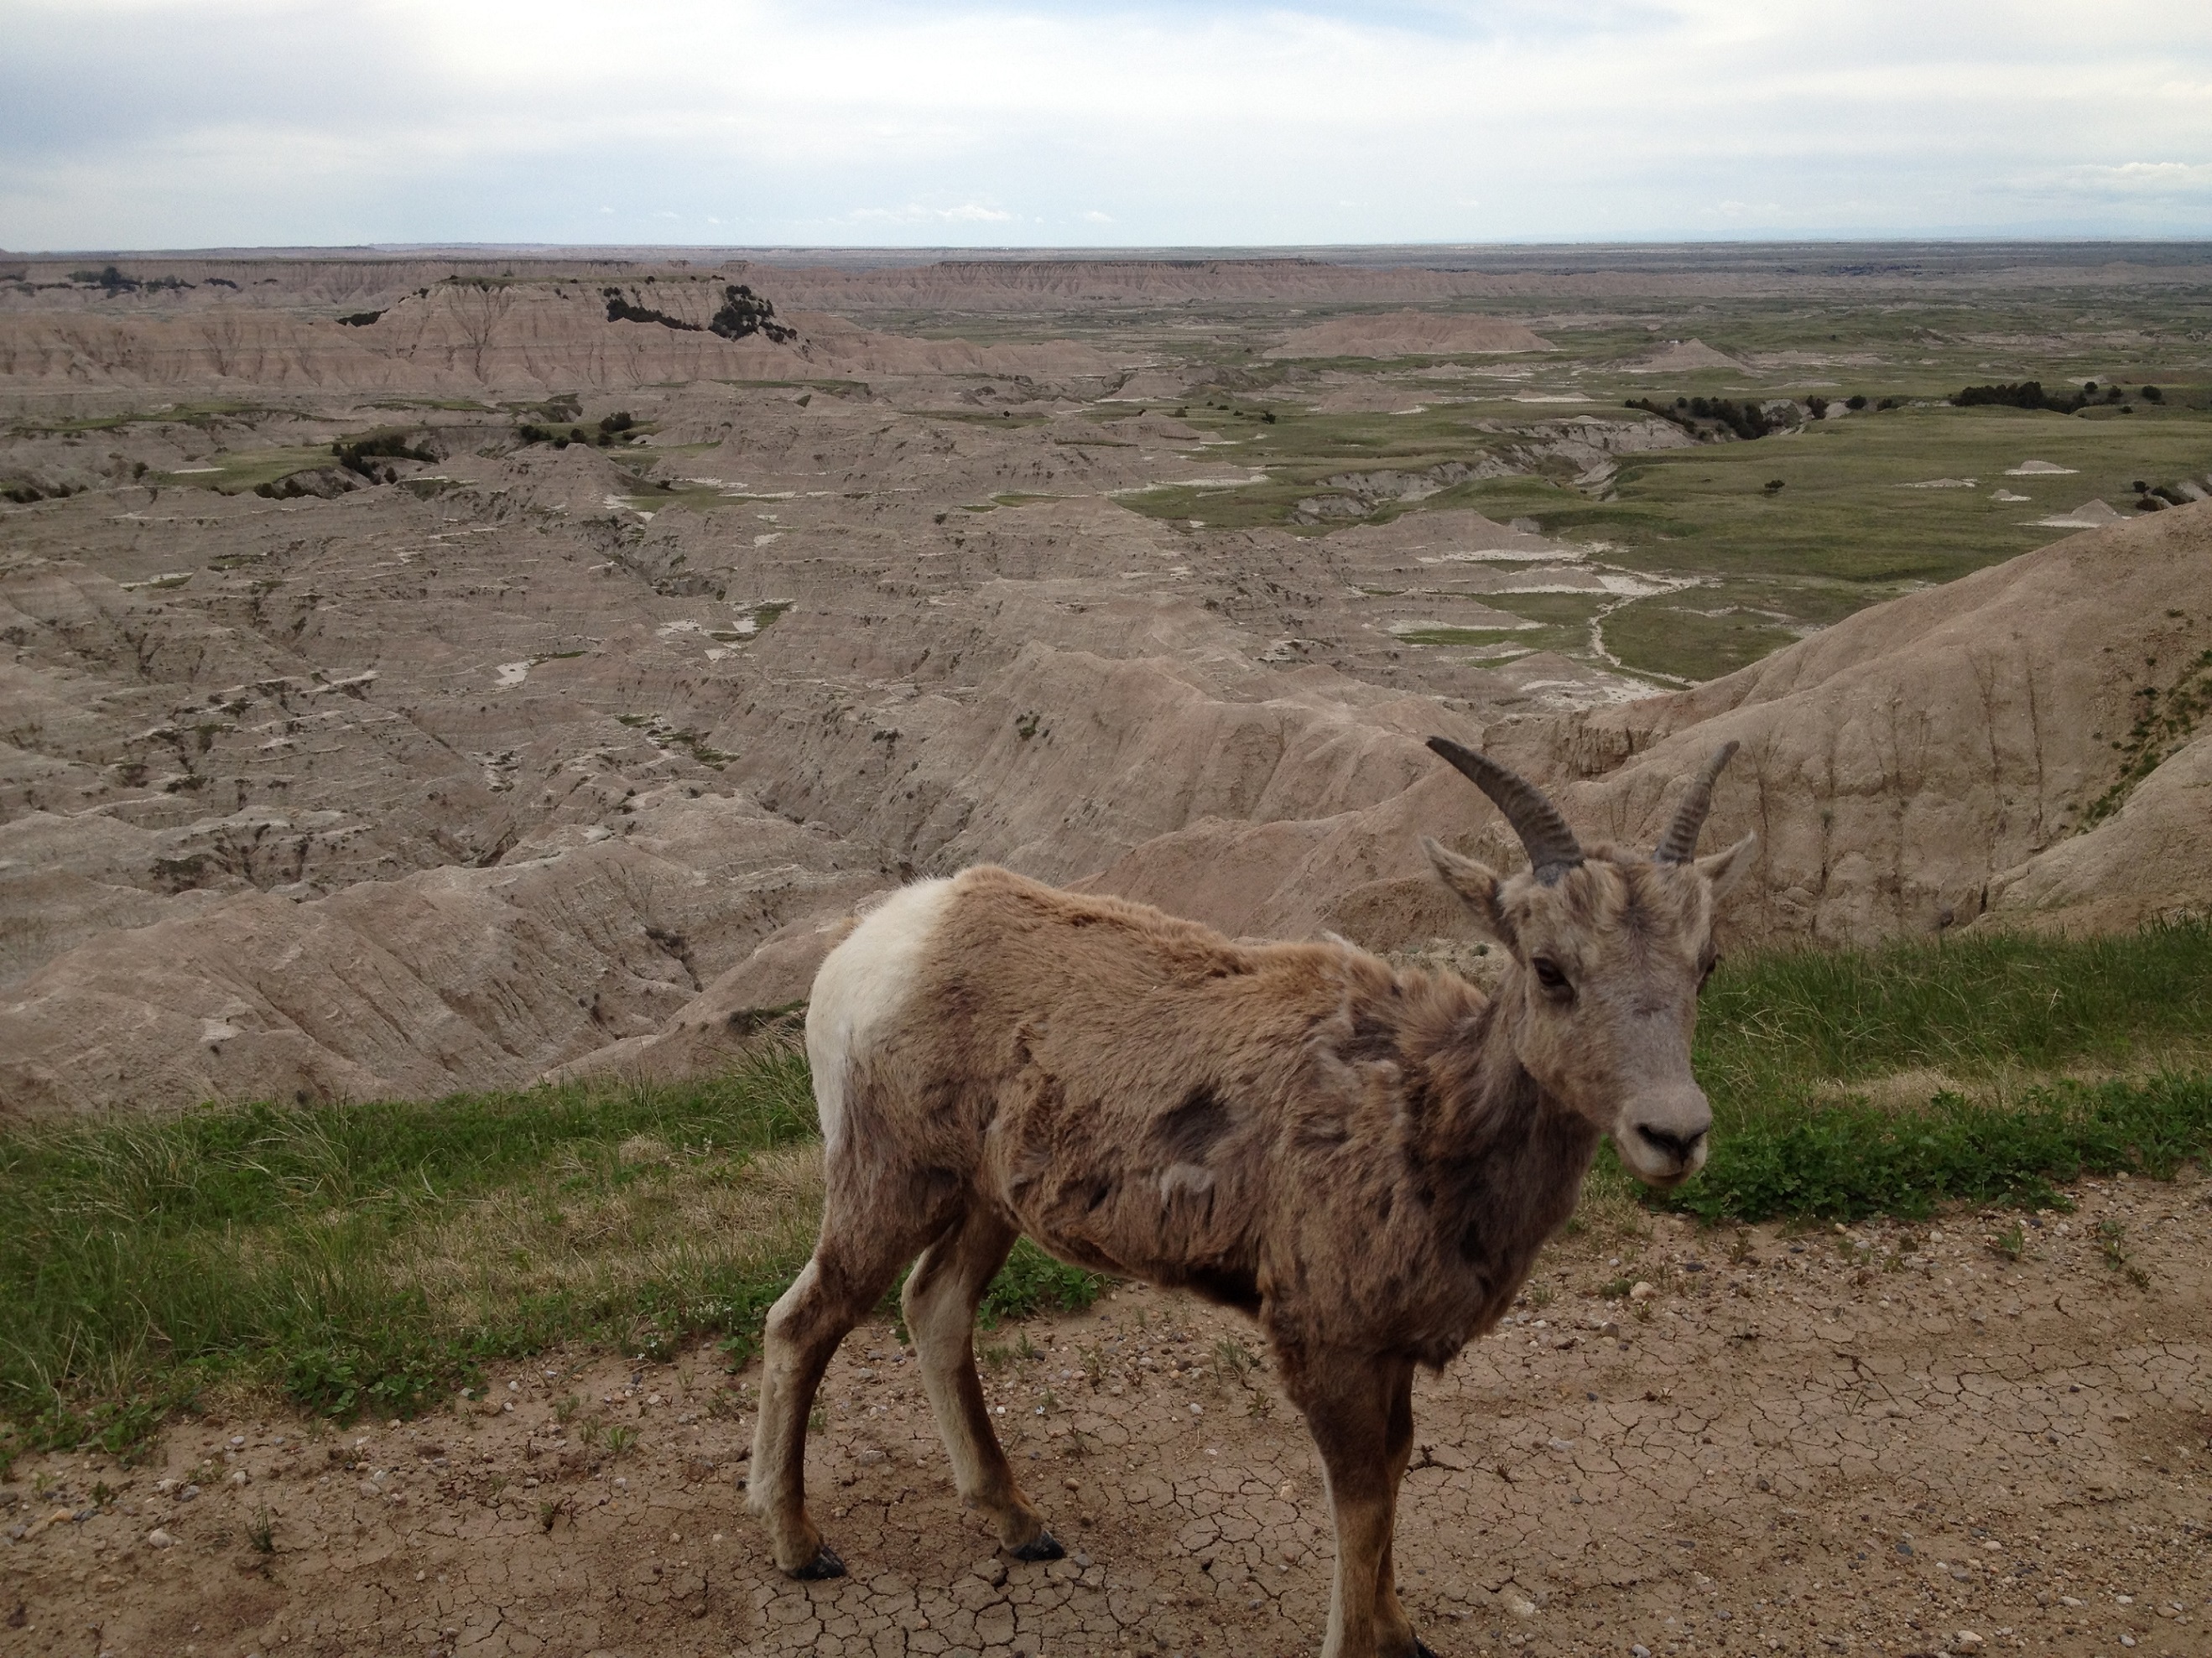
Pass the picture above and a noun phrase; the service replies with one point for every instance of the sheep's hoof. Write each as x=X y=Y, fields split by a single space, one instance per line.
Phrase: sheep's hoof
x=1044 y=1546
x=825 y=1565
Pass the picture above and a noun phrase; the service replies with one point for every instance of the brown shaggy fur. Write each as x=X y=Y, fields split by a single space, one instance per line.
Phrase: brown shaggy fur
x=1363 y=1159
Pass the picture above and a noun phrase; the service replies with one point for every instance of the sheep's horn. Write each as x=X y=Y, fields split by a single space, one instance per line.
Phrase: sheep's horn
x=1552 y=846
x=1679 y=843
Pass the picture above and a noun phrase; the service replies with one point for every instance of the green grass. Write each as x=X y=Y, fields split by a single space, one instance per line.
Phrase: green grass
x=1854 y=1083
x=369 y=1258
x=1843 y=532
x=239 y=472
x=1847 y=1162
x=201 y=414
x=1698 y=635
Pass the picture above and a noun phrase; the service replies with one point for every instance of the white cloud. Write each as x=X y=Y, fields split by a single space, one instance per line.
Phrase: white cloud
x=2143 y=178
x=911 y=214
x=154 y=123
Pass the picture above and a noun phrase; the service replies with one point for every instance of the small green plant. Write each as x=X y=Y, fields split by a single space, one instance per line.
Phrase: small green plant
x=817 y=1420
x=261 y=1532
x=549 y=1511
x=1232 y=1358
x=102 y=1493
x=1094 y=1366
x=996 y=1356
x=621 y=1438
x=2011 y=1244
x=2112 y=1244
x=566 y=1410
x=1615 y=1289
x=1026 y=1349
x=1032 y=1282
x=1538 y=1295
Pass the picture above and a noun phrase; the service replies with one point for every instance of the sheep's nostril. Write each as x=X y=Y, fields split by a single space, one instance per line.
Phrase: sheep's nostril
x=1681 y=1147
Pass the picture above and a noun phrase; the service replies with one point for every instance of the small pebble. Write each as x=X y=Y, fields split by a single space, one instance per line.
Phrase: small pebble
x=159 y=1538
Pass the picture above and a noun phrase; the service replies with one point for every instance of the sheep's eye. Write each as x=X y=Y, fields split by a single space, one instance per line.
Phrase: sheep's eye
x=1548 y=974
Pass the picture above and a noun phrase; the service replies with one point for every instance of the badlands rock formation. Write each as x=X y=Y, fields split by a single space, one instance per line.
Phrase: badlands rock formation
x=446 y=772
x=1919 y=766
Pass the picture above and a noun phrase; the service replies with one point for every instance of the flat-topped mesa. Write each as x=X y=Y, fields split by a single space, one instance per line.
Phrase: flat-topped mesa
x=1367 y=1161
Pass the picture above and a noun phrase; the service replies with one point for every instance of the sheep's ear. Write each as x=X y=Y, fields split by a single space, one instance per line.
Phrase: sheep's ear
x=1476 y=886
x=1725 y=868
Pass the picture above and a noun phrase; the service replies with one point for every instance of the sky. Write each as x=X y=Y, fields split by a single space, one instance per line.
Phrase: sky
x=179 y=123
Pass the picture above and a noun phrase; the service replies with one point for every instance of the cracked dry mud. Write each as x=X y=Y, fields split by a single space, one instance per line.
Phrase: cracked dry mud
x=1885 y=1440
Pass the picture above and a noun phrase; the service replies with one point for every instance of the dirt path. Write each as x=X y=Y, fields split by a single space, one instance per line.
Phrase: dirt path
x=1887 y=1441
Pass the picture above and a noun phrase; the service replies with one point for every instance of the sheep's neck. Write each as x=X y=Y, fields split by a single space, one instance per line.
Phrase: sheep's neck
x=1511 y=1157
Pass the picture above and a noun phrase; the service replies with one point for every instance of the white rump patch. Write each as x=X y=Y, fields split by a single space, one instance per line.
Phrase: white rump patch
x=860 y=989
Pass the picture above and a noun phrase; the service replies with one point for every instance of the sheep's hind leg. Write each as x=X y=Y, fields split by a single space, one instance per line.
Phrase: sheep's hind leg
x=942 y=1293
x=846 y=1277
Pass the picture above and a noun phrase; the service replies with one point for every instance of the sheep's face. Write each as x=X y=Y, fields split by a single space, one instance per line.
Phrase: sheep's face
x=1608 y=957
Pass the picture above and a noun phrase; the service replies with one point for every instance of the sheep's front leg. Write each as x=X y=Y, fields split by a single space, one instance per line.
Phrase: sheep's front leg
x=1359 y=1410
x=1394 y=1630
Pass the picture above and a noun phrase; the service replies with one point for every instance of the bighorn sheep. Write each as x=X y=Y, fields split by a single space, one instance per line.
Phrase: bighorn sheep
x=1365 y=1160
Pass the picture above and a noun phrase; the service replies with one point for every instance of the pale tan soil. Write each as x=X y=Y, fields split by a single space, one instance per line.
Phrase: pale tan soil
x=1883 y=1441
x=1681 y=356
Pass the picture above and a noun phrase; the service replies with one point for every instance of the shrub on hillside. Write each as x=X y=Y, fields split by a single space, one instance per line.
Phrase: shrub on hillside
x=2025 y=394
x=355 y=457
x=744 y=312
x=1705 y=417
x=621 y=308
